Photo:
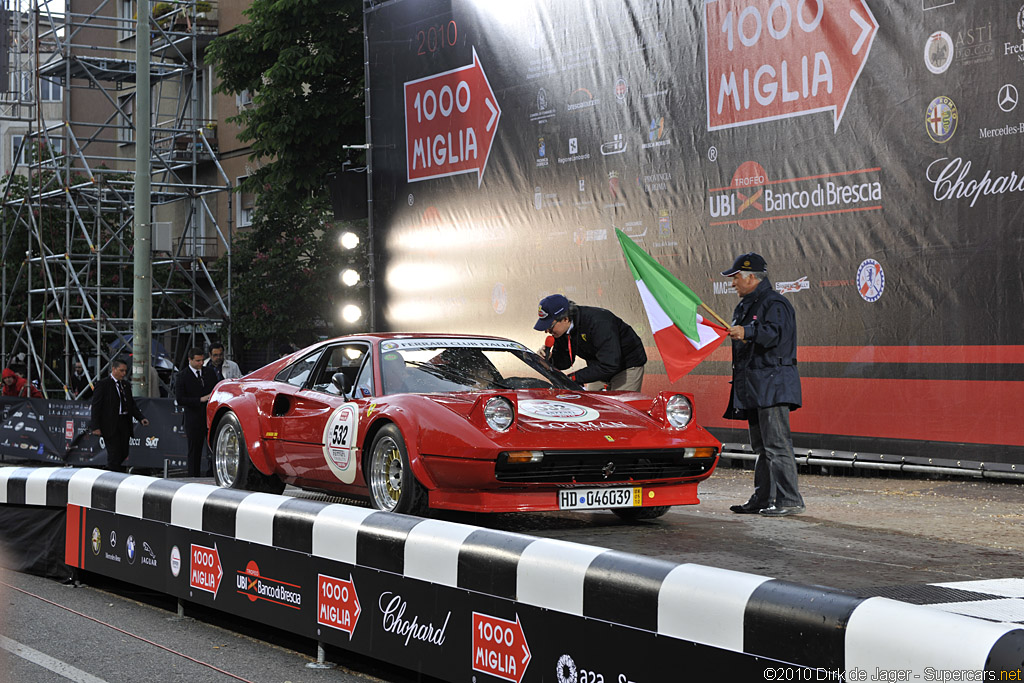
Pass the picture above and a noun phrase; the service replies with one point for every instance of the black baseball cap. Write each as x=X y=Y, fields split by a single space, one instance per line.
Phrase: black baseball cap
x=747 y=263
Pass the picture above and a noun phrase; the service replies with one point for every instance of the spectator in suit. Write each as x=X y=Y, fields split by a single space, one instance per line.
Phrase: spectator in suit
x=78 y=383
x=192 y=389
x=225 y=369
x=112 y=411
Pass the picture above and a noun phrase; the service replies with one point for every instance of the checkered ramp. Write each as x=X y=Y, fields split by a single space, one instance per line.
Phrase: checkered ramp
x=998 y=600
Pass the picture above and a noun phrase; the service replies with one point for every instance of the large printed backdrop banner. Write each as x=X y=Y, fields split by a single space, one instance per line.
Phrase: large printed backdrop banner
x=869 y=150
x=55 y=431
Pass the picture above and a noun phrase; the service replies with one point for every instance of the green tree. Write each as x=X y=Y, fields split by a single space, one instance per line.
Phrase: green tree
x=302 y=62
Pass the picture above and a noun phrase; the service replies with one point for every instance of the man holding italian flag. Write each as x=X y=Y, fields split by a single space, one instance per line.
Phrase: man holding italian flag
x=766 y=384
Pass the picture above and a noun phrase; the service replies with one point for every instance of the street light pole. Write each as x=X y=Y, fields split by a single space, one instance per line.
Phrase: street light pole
x=142 y=329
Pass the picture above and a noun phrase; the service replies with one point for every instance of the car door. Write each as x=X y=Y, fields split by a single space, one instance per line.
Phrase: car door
x=322 y=426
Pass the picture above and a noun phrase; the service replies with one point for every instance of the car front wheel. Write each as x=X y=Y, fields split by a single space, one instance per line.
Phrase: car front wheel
x=393 y=486
x=231 y=465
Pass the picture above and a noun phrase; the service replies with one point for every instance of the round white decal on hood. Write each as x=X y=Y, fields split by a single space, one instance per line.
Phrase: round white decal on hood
x=557 y=410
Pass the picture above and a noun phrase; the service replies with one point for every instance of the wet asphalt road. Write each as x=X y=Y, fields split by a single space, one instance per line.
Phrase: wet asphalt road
x=858 y=533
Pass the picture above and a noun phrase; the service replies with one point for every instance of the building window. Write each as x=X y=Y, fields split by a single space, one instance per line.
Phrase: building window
x=246 y=205
x=126 y=17
x=126 y=128
x=243 y=100
x=28 y=156
x=17 y=159
x=50 y=91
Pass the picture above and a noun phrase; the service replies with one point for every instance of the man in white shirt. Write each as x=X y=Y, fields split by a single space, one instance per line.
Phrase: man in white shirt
x=225 y=369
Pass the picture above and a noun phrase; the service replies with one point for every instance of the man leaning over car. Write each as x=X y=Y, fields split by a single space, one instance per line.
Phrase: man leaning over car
x=613 y=350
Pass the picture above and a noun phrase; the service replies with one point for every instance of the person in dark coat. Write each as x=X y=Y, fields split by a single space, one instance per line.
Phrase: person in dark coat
x=113 y=408
x=765 y=386
x=192 y=390
x=78 y=383
x=613 y=351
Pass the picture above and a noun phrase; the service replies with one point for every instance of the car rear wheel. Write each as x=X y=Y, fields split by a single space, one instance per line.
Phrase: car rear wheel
x=393 y=486
x=231 y=465
x=640 y=514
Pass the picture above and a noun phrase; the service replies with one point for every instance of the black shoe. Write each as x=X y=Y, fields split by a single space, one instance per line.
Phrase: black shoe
x=744 y=509
x=782 y=511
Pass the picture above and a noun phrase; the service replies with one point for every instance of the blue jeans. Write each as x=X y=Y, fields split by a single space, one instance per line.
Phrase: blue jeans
x=775 y=468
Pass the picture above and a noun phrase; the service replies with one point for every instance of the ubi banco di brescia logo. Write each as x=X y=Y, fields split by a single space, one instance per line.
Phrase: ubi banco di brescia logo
x=251 y=583
x=752 y=197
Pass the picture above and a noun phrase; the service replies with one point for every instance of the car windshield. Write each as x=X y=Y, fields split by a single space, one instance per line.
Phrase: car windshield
x=440 y=365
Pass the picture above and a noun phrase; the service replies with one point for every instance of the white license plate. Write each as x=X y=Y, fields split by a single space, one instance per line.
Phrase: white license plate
x=590 y=499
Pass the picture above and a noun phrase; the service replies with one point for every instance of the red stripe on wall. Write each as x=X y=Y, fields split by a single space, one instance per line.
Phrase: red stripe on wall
x=73 y=537
x=890 y=354
x=927 y=410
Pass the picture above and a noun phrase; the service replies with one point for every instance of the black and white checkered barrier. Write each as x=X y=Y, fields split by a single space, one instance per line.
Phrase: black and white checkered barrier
x=456 y=601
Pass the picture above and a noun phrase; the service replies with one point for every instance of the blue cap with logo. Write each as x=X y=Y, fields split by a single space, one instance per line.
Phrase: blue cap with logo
x=747 y=263
x=551 y=309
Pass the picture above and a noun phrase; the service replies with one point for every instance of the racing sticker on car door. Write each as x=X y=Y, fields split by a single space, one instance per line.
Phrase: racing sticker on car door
x=340 y=442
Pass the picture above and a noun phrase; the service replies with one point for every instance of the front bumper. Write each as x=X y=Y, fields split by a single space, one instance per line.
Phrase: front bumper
x=546 y=499
x=666 y=477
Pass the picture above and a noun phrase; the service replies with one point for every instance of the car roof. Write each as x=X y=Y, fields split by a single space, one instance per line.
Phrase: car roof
x=376 y=337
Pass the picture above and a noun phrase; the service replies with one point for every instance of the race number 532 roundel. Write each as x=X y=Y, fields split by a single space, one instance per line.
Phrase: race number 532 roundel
x=340 y=442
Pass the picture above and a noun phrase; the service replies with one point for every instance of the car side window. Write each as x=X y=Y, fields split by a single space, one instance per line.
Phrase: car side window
x=344 y=358
x=297 y=373
x=364 y=383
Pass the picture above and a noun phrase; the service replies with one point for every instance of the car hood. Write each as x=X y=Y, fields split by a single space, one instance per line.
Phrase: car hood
x=547 y=409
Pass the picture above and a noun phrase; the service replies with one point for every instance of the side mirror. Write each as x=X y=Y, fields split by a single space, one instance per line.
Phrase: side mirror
x=338 y=380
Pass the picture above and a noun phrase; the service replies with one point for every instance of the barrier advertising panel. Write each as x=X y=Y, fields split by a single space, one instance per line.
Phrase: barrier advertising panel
x=437 y=630
x=868 y=150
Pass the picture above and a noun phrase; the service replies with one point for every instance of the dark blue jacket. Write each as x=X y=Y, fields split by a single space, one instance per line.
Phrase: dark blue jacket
x=764 y=370
x=601 y=338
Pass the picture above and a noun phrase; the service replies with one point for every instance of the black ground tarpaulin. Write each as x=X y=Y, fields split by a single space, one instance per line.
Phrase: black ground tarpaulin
x=32 y=540
x=869 y=150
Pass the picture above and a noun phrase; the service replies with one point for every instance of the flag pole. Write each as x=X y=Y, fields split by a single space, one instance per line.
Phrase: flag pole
x=715 y=315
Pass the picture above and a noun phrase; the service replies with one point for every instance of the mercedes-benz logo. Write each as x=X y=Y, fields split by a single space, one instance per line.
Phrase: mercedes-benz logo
x=1008 y=97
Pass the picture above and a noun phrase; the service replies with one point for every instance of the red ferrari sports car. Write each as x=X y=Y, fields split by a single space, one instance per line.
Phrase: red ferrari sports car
x=457 y=422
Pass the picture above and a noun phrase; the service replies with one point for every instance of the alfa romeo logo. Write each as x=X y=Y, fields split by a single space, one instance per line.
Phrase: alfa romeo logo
x=941 y=119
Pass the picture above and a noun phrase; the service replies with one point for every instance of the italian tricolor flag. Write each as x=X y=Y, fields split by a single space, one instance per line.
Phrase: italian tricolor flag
x=683 y=337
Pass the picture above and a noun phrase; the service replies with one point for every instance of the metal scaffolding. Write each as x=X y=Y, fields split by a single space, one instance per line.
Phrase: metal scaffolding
x=67 y=222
